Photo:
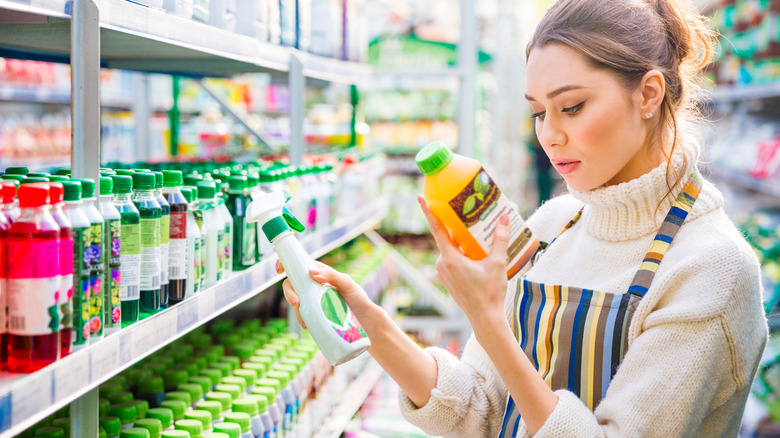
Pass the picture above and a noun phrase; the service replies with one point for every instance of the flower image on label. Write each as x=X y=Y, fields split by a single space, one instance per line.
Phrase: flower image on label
x=249 y=257
x=221 y=253
x=130 y=262
x=112 y=291
x=82 y=264
x=66 y=283
x=342 y=320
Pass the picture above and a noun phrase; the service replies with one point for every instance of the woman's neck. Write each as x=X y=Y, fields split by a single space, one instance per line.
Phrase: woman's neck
x=646 y=159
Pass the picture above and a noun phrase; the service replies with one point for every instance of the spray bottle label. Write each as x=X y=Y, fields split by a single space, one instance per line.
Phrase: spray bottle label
x=150 y=254
x=130 y=269
x=479 y=206
x=33 y=288
x=341 y=318
x=96 y=279
x=112 y=284
x=82 y=259
x=66 y=283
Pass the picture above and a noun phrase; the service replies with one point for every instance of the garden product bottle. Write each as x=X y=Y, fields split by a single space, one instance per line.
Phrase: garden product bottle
x=112 y=247
x=251 y=409
x=165 y=236
x=215 y=232
x=194 y=427
x=65 y=296
x=275 y=409
x=177 y=246
x=227 y=265
x=331 y=323
x=130 y=249
x=164 y=415
x=202 y=416
x=7 y=195
x=151 y=216
x=267 y=424
x=33 y=283
x=152 y=426
x=194 y=252
x=82 y=258
x=152 y=389
x=112 y=426
x=244 y=233
x=469 y=203
x=126 y=413
x=97 y=263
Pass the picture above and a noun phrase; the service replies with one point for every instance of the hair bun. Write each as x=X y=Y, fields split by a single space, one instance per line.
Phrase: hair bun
x=690 y=39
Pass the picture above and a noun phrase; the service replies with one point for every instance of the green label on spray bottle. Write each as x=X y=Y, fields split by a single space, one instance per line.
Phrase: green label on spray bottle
x=82 y=258
x=341 y=318
x=112 y=291
x=96 y=279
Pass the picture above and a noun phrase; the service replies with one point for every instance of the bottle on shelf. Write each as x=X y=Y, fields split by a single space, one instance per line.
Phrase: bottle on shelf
x=214 y=225
x=112 y=247
x=177 y=246
x=194 y=249
x=7 y=196
x=82 y=257
x=130 y=249
x=165 y=236
x=65 y=296
x=244 y=233
x=33 y=317
x=227 y=265
x=151 y=216
x=97 y=259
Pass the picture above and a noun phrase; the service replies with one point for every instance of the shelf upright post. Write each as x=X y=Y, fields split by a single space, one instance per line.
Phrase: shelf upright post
x=467 y=65
x=297 y=84
x=85 y=150
x=142 y=115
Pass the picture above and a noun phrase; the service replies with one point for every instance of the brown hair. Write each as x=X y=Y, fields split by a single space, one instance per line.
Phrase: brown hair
x=631 y=37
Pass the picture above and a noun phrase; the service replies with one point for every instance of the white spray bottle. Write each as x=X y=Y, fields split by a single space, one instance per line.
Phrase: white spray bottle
x=330 y=322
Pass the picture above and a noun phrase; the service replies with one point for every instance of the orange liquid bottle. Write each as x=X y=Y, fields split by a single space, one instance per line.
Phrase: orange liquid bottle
x=469 y=203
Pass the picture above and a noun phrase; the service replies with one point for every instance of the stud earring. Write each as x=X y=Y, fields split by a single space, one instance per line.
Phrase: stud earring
x=649 y=115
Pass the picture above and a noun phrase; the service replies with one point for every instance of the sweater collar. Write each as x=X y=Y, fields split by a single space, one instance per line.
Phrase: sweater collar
x=636 y=208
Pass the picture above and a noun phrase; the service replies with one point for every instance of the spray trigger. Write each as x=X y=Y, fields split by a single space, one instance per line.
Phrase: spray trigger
x=292 y=221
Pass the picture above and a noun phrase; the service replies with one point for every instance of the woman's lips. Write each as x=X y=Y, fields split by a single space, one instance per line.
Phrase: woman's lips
x=566 y=167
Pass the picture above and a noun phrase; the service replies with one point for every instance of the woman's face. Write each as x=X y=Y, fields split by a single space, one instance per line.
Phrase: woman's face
x=591 y=127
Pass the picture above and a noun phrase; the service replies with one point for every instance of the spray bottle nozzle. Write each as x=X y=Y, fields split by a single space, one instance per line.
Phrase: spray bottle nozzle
x=292 y=221
x=272 y=205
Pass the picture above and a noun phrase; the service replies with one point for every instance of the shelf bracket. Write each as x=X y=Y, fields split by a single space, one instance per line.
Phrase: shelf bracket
x=297 y=89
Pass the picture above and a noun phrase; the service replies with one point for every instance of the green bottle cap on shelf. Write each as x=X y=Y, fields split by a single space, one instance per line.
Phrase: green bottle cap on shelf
x=106 y=186
x=225 y=399
x=233 y=430
x=212 y=373
x=176 y=434
x=279 y=348
x=241 y=418
x=433 y=158
x=125 y=411
x=246 y=406
x=183 y=351
x=39 y=174
x=151 y=385
x=141 y=408
x=58 y=178
x=174 y=378
x=17 y=170
x=192 y=179
x=134 y=432
x=237 y=381
x=62 y=423
x=164 y=415
x=267 y=352
x=284 y=341
x=300 y=355
x=123 y=184
x=125 y=172
x=206 y=190
x=103 y=405
x=201 y=341
x=179 y=395
x=244 y=350
x=172 y=178
x=159 y=179
x=215 y=435
x=252 y=181
x=268 y=392
x=260 y=399
x=234 y=390
x=265 y=357
x=143 y=181
x=102 y=433
x=72 y=190
x=213 y=407
x=107 y=172
x=251 y=324
x=178 y=408
x=258 y=368
x=194 y=390
x=187 y=193
x=283 y=376
x=17 y=178
x=230 y=339
x=50 y=432
x=153 y=425
x=108 y=388
x=233 y=361
x=190 y=367
x=202 y=381
x=237 y=183
x=249 y=375
x=63 y=171
x=223 y=367
x=266 y=382
x=111 y=424
x=219 y=350
x=87 y=187
x=119 y=396
x=119 y=379
x=201 y=415
x=140 y=170
x=194 y=427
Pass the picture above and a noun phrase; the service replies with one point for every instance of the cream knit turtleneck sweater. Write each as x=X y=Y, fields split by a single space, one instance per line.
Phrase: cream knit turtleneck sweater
x=694 y=341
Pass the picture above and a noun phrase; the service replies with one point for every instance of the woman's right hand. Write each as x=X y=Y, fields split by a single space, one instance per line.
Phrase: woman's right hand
x=354 y=295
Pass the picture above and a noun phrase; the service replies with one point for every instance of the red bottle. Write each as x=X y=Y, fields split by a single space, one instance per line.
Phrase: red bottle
x=65 y=301
x=7 y=195
x=33 y=281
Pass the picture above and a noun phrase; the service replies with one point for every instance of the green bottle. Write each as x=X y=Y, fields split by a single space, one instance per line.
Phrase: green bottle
x=130 y=254
x=81 y=262
x=97 y=262
x=244 y=232
x=112 y=290
x=151 y=216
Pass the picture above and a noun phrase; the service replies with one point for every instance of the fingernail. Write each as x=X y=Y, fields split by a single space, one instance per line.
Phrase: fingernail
x=293 y=302
x=420 y=199
x=504 y=219
x=314 y=271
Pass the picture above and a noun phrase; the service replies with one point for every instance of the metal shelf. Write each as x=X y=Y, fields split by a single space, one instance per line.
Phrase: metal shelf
x=27 y=398
x=35 y=164
x=134 y=37
x=57 y=96
x=725 y=94
x=744 y=181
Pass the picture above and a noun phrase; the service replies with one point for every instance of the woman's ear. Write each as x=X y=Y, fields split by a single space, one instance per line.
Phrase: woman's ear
x=651 y=93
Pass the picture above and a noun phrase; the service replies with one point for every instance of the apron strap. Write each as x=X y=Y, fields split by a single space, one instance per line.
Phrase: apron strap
x=674 y=220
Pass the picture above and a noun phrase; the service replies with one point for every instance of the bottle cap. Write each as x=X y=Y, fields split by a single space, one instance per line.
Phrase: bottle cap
x=252 y=180
x=275 y=227
x=176 y=434
x=187 y=193
x=7 y=192
x=235 y=380
x=243 y=350
x=267 y=391
x=119 y=396
x=62 y=423
x=260 y=399
x=140 y=170
x=17 y=171
x=17 y=179
x=63 y=171
x=194 y=427
x=202 y=381
x=194 y=390
x=237 y=183
x=224 y=367
x=165 y=416
x=249 y=376
x=112 y=425
x=58 y=178
x=433 y=158
x=119 y=379
x=33 y=179
x=159 y=179
x=102 y=433
x=141 y=408
x=265 y=382
x=143 y=181
x=72 y=190
x=206 y=190
x=151 y=385
x=125 y=411
x=222 y=397
x=172 y=178
x=213 y=407
x=33 y=195
x=248 y=407
x=234 y=390
x=179 y=395
x=87 y=188
x=233 y=361
x=233 y=430
x=203 y=416
x=192 y=179
x=176 y=406
x=103 y=406
x=123 y=184
x=125 y=172
x=50 y=432
x=214 y=374
x=173 y=378
x=264 y=357
x=258 y=368
x=282 y=376
x=241 y=418
x=152 y=425
x=106 y=186
x=107 y=172
x=134 y=432
x=56 y=193
x=215 y=435
x=269 y=350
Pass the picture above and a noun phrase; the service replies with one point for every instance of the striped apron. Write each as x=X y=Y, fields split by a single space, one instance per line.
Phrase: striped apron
x=576 y=338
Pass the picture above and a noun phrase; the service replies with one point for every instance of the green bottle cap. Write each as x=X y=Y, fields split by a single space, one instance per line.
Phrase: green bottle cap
x=248 y=375
x=176 y=434
x=102 y=433
x=202 y=381
x=275 y=227
x=72 y=190
x=199 y=362
x=165 y=415
x=106 y=186
x=103 y=405
x=224 y=367
x=153 y=425
x=119 y=396
x=134 y=432
x=119 y=379
x=201 y=341
x=192 y=179
x=194 y=390
x=17 y=170
x=187 y=193
x=112 y=425
x=279 y=348
x=62 y=423
x=267 y=391
x=39 y=174
x=203 y=416
x=237 y=183
x=433 y=158
x=284 y=341
x=246 y=406
x=141 y=408
x=225 y=399
x=50 y=432
x=17 y=178
x=151 y=385
x=159 y=179
x=65 y=171
x=230 y=339
x=172 y=178
x=125 y=411
x=241 y=418
x=300 y=355
x=215 y=435
x=125 y=172
x=194 y=427
x=244 y=350
x=234 y=390
x=123 y=184
x=265 y=382
x=213 y=407
x=178 y=408
x=233 y=361
x=272 y=353
x=139 y=170
x=206 y=190
x=232 y=430
x=143 y=181
x=173 y=378
x=87 y=188
x=212 y=373
x=179 y=395
x=252 y=181
x=259 y=368
x=281 y=375
x=108 y=388
x=237 y=381
x=59 y=178
x=107 y=172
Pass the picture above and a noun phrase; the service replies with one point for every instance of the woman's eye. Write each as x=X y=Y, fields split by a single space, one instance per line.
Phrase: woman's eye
x=538 y=116
x=574 y=109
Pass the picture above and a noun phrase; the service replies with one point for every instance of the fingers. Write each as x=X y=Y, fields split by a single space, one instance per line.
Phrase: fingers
x=278 y=266
x=443 y=240
x=500 y=239
x=343 y=283
x=292 y=298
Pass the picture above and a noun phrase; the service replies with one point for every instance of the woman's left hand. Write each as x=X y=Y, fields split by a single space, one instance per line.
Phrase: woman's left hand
x=477 y=286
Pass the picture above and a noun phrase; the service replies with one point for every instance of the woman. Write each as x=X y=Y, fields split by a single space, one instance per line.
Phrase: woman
x=643 y=316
